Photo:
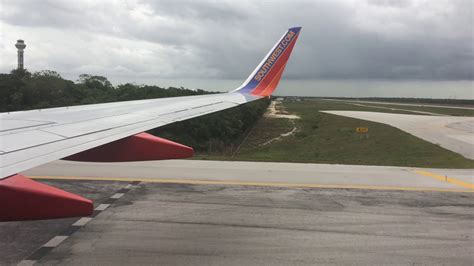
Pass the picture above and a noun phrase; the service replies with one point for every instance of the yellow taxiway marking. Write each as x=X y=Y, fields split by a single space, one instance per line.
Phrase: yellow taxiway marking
x=244 y=183
x=446 y=179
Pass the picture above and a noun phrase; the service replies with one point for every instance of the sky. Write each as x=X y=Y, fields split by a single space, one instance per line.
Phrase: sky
x=346 y=47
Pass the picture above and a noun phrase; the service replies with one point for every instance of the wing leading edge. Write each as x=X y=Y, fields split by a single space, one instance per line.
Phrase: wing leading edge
x=91 y=132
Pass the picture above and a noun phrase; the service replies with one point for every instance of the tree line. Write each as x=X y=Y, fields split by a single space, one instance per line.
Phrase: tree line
x=22 y=90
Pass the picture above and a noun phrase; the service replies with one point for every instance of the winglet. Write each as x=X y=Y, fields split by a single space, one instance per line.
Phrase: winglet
x=265 y=78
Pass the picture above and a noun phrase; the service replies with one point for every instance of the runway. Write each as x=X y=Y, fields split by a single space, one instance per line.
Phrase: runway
x=406 y=104
x=187 y=212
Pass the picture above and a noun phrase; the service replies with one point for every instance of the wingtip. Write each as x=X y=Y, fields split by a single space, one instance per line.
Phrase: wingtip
x=265 y=78
x=295 y=29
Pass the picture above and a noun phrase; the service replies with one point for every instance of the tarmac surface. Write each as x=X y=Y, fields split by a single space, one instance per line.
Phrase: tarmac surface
x=263 y=173
x=450 y=132
x=187 y=212
x=449 y=106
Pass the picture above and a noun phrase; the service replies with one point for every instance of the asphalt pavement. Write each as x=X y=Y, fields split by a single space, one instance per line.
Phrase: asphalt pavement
x=187 y=212
x=191 y=224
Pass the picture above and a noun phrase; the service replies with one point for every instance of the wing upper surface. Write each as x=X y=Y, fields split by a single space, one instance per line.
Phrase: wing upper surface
x=32 y=138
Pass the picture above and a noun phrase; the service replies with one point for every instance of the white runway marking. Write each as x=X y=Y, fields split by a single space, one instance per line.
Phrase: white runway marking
x=26 y=263
x=83 y=221
x=102 y=207
x=117 y=196
x=55 y=241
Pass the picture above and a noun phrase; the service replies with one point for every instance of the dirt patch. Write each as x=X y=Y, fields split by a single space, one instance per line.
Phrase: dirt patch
x=276 y=110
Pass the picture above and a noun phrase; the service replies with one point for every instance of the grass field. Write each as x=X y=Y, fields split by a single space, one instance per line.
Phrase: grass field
x=326 y=138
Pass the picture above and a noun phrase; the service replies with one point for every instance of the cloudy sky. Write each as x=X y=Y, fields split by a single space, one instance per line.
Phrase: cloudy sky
x=208 y=42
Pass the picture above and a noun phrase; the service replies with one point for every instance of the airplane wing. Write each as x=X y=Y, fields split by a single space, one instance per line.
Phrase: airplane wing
x=108 y=132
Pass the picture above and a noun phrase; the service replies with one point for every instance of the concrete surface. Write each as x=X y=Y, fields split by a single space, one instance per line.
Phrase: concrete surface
x=406 y=104
x=398 y=109
x=186 y=212
x=263 y=172
x=182 y=224
x=450 y=132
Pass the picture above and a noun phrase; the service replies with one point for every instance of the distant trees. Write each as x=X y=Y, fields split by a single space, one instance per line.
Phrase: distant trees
x=12 y=90
x=21 y=90
x=218 y=131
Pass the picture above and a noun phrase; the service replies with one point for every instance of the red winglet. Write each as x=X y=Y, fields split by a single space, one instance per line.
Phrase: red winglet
x=24 y=199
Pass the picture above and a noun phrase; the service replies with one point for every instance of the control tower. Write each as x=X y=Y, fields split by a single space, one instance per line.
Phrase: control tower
x=20 y=45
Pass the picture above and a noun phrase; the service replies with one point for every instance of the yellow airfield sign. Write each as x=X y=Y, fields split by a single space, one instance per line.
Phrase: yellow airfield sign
x=362 y=129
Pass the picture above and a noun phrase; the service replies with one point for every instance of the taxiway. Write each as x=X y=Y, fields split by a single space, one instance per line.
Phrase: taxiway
x=213 y=213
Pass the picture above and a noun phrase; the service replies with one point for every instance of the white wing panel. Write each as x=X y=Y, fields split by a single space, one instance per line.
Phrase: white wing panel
x=67 y=131
x=197 y=111
x=8 y=124
x=94 y=125
x=22 y=140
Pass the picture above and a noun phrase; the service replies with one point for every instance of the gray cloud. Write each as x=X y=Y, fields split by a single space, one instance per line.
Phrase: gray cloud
x=373 y=39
